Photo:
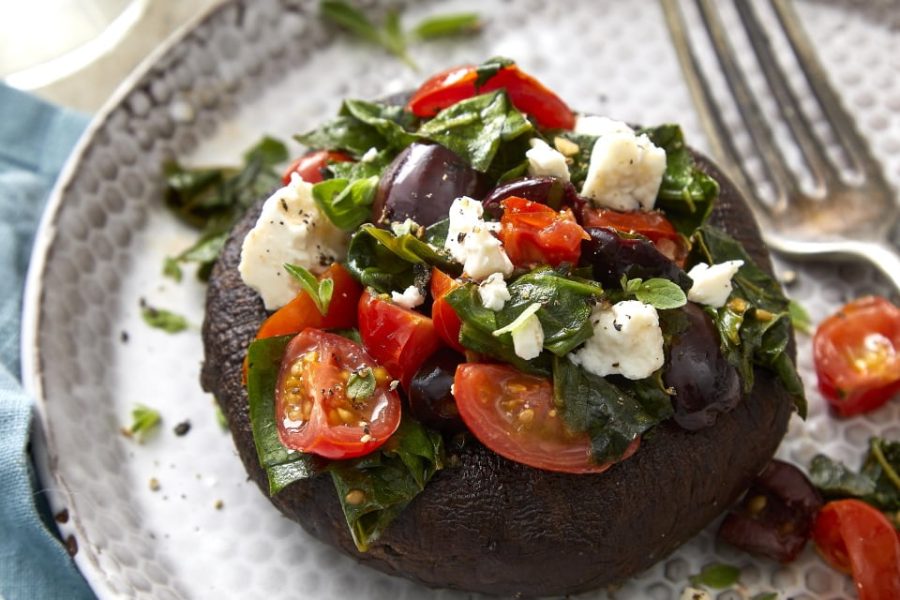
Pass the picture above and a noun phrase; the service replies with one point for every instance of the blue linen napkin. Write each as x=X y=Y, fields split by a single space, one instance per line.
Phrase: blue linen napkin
x=35 y=139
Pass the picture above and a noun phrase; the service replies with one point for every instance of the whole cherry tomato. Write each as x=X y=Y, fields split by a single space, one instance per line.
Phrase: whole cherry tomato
x=514 y=415
x=446 y=321
x=857 y=355
x=310 y=165
x=534 y=234
x=856 y=538
x=398 y=338
x=315 y=409
x=524 y=91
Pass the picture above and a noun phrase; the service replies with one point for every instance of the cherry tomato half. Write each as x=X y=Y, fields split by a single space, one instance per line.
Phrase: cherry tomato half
x=525 y=92
x=310 y=165
x=400 y=339
x=856 y=538
x=651 y=224
x=857 y=355
x=301 y=312
x=514 y=415
x=446 y=321
x=534 y=234
x=312 y=408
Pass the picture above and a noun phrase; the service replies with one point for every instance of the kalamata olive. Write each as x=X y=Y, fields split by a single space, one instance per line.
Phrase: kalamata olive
x=547 y=190
x=422 y=182
x=775 y=517
x=612 y=256
x=430 y=399
x=705 y=383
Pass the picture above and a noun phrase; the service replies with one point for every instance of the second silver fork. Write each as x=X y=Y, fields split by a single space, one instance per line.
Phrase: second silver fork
x=837 y=218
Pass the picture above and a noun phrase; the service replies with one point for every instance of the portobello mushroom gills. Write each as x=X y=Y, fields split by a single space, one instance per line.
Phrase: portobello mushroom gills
x=422 y=182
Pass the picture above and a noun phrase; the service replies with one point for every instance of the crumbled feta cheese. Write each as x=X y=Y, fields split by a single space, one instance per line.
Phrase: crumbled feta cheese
x=290 y=229
x=527 y=333
x=407 y=226
x=627 y=341
x=712 y=284
x=544 y=161
x=493 y=292
x=470 y=242
x=485 y=255
x=625 y=172
x=410 y=298
x=370 y=155
x=594 y=125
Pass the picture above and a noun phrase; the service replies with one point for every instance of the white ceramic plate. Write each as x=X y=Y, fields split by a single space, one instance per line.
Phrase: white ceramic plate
x=272 y=67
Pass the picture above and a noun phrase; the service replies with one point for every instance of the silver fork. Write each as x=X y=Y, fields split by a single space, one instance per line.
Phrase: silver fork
x=838 y=218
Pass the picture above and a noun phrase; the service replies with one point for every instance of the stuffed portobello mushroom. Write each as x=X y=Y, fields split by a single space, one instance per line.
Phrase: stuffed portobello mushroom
x=484 y=342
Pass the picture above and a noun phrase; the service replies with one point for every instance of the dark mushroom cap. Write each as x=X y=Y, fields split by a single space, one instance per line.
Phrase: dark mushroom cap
x=487 y=524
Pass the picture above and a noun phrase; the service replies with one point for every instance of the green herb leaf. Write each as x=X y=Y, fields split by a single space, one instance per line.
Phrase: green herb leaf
x=160 y=318
x=390 y=121
x=447 y=26
x=220 y=417
x=346 y=204
x=754 y=325
x=390 y=36
x=517 y=323
x=361 y=385
x=282 y=466
x=476 y=128
x=613 y=414
x=319 y=291
x=657 y=292
x=171 y=269
x=687 y=194
x=374 y=489
x=877 y=482
x=800 y=319
x=717 y=576
x=213 y=199
x=144 y=420
x=385 y=262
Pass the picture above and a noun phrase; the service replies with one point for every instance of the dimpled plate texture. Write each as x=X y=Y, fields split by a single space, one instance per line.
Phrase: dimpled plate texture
x=271 y=66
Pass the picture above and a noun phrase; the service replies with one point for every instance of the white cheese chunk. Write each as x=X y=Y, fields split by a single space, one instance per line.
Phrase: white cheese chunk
x=290 y=229
x=594 y=125
x=712 y=284
x=625 y=172
x=485 y=255
x=493 y=292
x=464 y=217
x=410 y=298
x=528 y=338
x=544 y=161
x=370 y=155
x=407 y=226
x=627 y=341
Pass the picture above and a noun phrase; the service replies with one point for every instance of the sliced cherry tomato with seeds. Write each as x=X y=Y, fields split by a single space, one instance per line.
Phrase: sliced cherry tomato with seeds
x=317 y=411
x=854 y=537
x=310 y=165
x=524 y=91
x=857 y=355
x=534 y=234
x=513 y=414
x=398 y=338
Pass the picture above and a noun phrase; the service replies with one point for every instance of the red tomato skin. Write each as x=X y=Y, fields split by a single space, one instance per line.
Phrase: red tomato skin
x=651 y=224
x=301 y=312
x=446 y=321
x=310 y=165
x=398 y=338
x=524 y=91
x=839 y=345
x=481 y=390
x=856 y=538
x=324 y=381
x=534 y=234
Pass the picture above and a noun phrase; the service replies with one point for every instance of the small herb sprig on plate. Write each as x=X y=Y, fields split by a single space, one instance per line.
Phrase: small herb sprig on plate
x=144 y=420
x=390 y=35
